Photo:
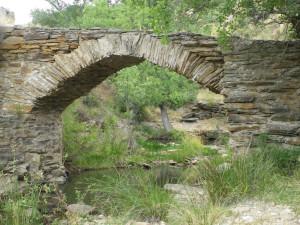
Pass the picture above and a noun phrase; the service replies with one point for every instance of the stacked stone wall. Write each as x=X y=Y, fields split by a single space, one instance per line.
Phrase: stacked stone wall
x=262 y=88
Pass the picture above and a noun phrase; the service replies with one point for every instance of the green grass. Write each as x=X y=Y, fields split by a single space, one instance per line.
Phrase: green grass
x=184 y=147
x=91 y=147
x=21 y=208
x=265 y=170
x=285 y=190
x=136 y=195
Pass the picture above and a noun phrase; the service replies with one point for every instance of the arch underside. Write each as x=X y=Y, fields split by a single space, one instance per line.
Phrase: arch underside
x=72 y=75
x=83 y=82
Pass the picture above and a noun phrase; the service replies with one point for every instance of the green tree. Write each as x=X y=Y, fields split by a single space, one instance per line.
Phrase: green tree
x=209 y=17
x=61 y=14
x=232 y=15
x=149 y=85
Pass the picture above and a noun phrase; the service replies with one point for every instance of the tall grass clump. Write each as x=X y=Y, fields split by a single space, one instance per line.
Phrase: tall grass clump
x=135 y=194
x=18 y=208
x=286 y=160
x=248 y=174
x=244 y=175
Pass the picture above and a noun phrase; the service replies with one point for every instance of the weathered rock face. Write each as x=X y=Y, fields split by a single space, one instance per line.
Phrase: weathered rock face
x=7 y=18
x=262 y=87
x=43 y=70
x=201 y=111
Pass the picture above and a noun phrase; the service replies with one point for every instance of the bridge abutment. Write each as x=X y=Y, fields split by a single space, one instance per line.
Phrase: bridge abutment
x=31 y=144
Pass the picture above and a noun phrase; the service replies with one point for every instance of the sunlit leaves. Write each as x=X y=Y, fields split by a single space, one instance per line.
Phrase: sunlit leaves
x=149 y=85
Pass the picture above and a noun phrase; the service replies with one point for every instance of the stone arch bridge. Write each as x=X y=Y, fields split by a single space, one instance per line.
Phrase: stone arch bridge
x=43 y=70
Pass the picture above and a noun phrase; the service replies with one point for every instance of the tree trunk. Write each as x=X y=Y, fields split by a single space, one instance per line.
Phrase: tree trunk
x=165 y=118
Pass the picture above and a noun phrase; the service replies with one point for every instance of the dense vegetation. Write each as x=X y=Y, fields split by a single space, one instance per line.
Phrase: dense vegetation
x=211 y=17
x=269 y=173
x=148 y=85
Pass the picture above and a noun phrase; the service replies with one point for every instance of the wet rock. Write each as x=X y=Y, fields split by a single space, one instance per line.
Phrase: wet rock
x=57 y=180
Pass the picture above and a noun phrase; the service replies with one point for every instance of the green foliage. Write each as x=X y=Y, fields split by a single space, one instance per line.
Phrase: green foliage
x=125 y=15
x=286 y=160
x=245 y=175
x=285 y=190
x=253 y=174
x=211 y=17
x=91 y=147
x=149 y=85
x=68 y=17
x=135 y=194
x=21 y=208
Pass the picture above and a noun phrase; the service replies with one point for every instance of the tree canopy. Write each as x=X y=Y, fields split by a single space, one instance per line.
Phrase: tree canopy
x=149 y=85
x=211 y=17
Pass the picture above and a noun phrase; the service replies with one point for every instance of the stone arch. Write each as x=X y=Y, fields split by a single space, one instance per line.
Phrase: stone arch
x=42 y=70
x=56 y=84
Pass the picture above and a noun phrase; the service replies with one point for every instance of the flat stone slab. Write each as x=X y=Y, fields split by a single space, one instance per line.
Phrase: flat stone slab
x=80 y=209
